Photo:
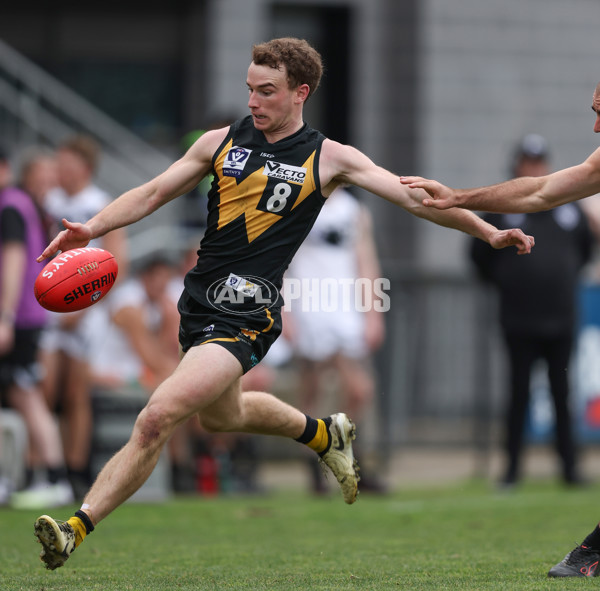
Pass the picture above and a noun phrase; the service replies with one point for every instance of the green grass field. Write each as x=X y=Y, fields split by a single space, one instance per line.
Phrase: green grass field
x=459 y=537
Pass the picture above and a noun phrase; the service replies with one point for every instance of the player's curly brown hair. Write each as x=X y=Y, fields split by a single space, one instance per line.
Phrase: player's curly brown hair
x=303 y=62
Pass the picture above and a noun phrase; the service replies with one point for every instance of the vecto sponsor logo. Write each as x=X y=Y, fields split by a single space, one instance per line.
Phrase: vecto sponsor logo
x=285 y=172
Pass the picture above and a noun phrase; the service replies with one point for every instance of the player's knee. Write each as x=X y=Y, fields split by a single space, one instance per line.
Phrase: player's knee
x=153 y=426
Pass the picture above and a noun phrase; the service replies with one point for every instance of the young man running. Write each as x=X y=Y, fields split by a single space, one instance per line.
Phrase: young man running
x=272 y=173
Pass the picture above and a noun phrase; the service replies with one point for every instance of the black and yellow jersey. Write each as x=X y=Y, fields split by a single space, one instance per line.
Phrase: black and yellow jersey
x=262 y=203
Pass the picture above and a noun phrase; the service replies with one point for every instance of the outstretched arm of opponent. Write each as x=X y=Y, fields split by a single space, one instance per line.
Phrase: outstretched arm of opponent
x=526 y=194
x=135 y=204
x=344 y=164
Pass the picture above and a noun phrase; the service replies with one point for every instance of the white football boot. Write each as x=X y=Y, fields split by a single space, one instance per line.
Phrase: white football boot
x=57 y=539
x=339 y=457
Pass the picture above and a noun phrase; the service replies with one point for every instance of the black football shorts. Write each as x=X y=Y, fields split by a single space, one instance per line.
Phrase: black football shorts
x=247 y=336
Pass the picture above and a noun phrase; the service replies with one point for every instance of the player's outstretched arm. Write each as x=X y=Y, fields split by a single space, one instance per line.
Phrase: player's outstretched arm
x=181 y=177
x=526 y=194
x=439 y=196
x=344 y=164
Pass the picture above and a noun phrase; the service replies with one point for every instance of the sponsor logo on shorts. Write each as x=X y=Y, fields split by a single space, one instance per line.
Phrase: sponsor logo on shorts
x=249 y=334
x=235 y=161
x=252 y=293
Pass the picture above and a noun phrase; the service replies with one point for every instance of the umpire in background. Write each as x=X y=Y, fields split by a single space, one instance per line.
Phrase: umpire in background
x=538 y=306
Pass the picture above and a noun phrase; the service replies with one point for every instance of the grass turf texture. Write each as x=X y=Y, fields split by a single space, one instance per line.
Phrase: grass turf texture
x=459 y=537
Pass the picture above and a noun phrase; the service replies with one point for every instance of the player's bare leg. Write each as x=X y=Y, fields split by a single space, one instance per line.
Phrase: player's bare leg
x=206 y=381
x=203 y=375
x=194 y=384
x=262 y=413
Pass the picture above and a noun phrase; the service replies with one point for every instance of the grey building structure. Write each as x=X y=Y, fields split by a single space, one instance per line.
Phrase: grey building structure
x=440 y=88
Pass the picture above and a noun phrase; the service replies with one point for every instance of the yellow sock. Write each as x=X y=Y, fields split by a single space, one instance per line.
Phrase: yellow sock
x=79 y=528
x=320 y=441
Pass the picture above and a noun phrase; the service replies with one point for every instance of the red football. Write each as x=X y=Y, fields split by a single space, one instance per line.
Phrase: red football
x=76 y=279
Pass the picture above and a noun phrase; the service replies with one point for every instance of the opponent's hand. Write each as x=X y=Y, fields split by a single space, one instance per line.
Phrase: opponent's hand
x=74 y=235
x=442 y=197
x=512 y=237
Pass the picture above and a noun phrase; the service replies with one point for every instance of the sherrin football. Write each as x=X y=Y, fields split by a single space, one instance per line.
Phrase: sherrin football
x=76 y=279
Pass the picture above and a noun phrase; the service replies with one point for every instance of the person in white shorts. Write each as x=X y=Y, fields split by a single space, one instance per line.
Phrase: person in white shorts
x=334 y=322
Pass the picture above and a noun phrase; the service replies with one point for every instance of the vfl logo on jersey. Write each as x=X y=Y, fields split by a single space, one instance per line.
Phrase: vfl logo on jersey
x=242 y=285
x=285 y=172
x=235 y=161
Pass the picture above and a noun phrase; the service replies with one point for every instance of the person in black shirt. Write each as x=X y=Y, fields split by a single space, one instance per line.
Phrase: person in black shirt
x=525 y=195
x=538 y=307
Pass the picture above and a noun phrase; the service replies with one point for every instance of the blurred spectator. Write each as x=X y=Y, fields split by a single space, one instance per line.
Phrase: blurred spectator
x=327 y=328
x=129 y=332
x=22 y=238
x=538 y=310
x=37 y=177
x=64 y=348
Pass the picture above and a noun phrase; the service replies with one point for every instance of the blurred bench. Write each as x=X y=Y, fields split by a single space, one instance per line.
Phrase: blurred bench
x=13 y=447
x=114 y=416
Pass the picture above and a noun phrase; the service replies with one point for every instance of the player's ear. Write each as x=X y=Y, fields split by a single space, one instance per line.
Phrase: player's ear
x=302 y=93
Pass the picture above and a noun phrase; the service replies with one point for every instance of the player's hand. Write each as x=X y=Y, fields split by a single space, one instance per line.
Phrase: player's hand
x=512 y=237
x=442 y=197
x=74 y=235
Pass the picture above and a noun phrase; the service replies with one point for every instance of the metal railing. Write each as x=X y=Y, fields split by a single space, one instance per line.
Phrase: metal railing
x=46 y=110
x=38 y=109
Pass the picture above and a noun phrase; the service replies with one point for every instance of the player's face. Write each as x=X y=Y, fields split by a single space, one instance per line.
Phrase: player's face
x=275 y=108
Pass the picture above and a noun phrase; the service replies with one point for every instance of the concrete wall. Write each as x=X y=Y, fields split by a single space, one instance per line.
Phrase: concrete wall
x=491 y=72
x=442 y=88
